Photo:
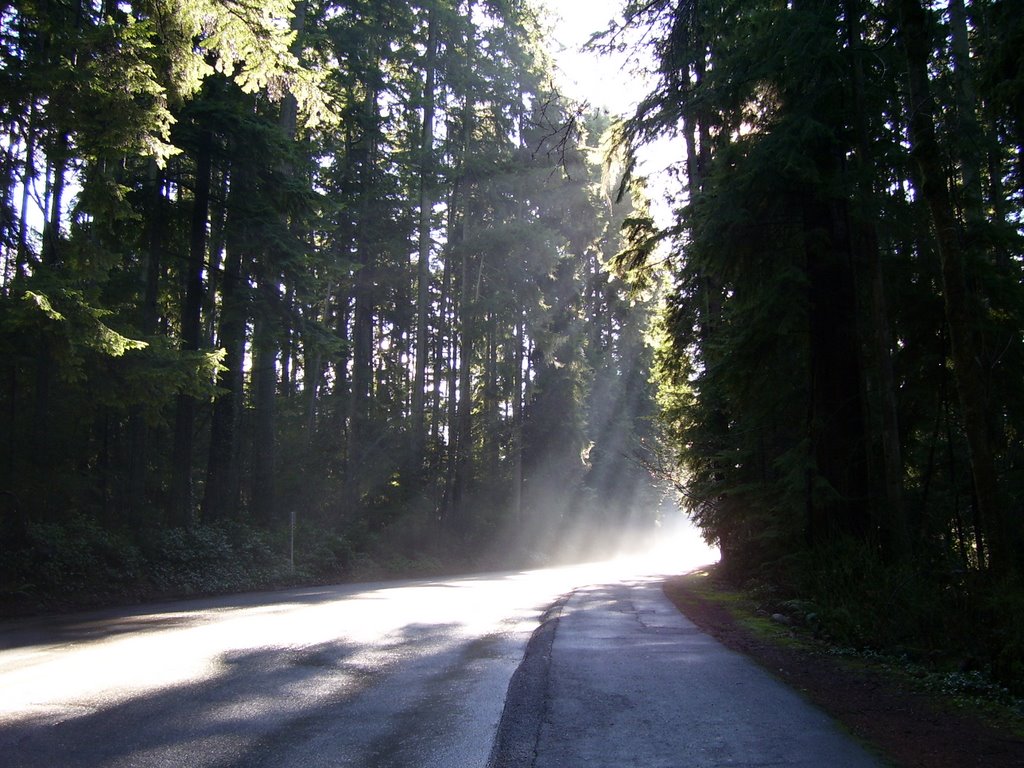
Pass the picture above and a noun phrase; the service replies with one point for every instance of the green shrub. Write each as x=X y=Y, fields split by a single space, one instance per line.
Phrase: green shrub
x=72 y=561
x=960 y=623
x=213 y=558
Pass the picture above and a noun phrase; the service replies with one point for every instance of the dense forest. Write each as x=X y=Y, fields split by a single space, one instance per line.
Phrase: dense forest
x=296 y=291
x=842 y=361
x=306 y=291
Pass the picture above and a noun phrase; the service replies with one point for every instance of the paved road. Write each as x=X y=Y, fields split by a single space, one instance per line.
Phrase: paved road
x=408 y=674
x=399 y=675
x=616 y=677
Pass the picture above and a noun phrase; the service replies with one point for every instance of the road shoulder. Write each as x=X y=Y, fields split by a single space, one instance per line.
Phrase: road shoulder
x=515 y=742
x=905 y=725
x=618 y=677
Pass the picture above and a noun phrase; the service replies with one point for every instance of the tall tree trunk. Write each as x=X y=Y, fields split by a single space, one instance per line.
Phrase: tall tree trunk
x=312 y=381
x=23 y=257
x=463 y=459
x=215 y=249
x=464 y=410
x=492 y=422
x=971 y=140
x=443 y=360
x=888 y=504
x=837 y=492
x=264 y=384
x=961 y=306
x=519 y=360
x=426 y=206
x=42 y=449
x=220 y=499
x=180 y=508
x=287 y=342
x=364 y=299
x=268 y=333
x=837 y=429
x=342 y=378
x=452 y=377
x=138 y=430
x=51 y=226
x=155 y=236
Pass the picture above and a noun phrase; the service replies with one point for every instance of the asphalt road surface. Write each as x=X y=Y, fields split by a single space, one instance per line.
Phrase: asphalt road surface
x=397 y=674
x=616 y=677
x=402 y=674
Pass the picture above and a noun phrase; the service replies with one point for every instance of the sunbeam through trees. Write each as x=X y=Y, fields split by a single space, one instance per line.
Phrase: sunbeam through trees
x=319 y=289
x=336 y=265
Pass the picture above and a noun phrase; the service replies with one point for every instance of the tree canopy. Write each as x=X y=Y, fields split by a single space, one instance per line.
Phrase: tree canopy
x=840 y=376
x=337 y=263
x=296 y=290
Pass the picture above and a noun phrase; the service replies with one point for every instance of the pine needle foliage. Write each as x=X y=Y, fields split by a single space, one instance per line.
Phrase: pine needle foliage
x=851 y=225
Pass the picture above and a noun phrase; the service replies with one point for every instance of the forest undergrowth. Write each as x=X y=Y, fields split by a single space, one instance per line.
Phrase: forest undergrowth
x=77 y=564
x=960 y=633
x=915 y=715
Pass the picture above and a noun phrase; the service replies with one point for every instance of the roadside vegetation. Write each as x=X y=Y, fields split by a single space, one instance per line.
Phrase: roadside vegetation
x=842 y=349
x=302 y=291
x=916 y=713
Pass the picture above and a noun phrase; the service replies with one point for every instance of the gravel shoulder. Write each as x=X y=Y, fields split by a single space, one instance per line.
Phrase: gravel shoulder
x=911 y=728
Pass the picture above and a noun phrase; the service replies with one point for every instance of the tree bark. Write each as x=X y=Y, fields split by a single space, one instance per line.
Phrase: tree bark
x=888 y=506
x=519 y=359
x=180 y=506
x=268 y=334
x=221 y=497
x=463 y=459
x=51 y=226
x=961 y=307
x=23 y=256
x=426 y=205
x=838 y=432
x=364 y=299
x=264 y=384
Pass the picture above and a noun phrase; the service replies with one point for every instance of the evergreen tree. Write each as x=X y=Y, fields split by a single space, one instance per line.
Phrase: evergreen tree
x=339 y=263
x=840 y=286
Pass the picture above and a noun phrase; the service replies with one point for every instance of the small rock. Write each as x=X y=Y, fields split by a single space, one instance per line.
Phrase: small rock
x=780 y=618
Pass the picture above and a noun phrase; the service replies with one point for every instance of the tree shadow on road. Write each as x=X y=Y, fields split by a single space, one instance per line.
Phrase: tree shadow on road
x=332 y=703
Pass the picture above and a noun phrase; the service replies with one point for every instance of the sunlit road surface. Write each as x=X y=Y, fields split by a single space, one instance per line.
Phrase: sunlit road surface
x=394 y=674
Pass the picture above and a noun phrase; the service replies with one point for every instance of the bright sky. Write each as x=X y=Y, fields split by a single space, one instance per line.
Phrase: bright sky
x=610 y=81
x=604 y=81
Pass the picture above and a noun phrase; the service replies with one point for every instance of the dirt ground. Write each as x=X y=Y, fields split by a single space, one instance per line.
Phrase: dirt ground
x=908 y=728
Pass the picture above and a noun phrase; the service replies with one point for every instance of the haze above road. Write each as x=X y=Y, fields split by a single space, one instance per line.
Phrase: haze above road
x=394 y=674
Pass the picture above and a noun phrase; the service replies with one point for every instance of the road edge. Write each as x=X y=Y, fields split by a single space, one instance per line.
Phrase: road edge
x=515 y=742
x=903 y=726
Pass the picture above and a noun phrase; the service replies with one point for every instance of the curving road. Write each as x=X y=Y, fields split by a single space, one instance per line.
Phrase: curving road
x=398 y=674
x=617 y=677
x=603 y=671
x=415 y=673
x=393 y=674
